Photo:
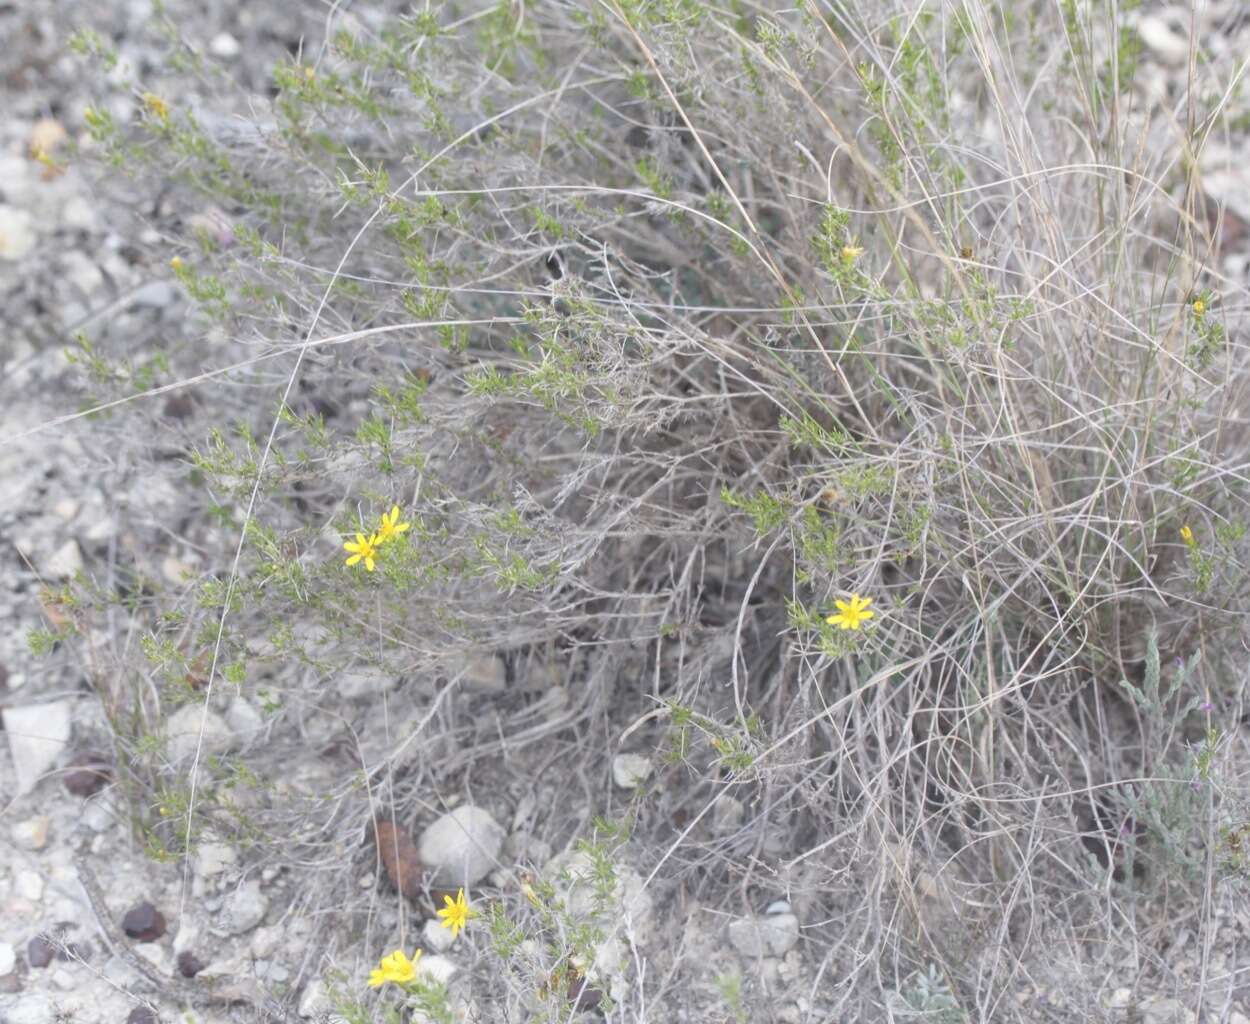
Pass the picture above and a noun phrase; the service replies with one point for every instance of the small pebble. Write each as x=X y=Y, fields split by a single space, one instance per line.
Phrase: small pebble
x=630 y=770
x=39 y=952
x=87 y=774
x=32 y=834
x=189 y=965
x=30 y=885
x=8 y=958
x=142 y=1015
x=144 y=923
x=224 y=45
x=437 y=938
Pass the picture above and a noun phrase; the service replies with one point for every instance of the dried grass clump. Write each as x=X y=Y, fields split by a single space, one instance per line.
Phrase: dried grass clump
x=668 y=323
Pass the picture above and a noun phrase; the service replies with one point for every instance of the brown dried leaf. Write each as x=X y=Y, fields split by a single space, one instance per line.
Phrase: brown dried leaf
x=399 y=857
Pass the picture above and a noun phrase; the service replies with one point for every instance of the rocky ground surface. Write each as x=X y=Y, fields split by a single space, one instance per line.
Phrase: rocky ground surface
x=91 y=930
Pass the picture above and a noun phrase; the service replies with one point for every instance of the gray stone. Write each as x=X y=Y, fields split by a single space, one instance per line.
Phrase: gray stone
x=37 y=734
x=630 y=770
x=17 y=233
x=32 y=834
x=183 y=731
x=214 y=858
x=364 y=682
x=65 y=561
x=314 y=1000
x=1169 y=46
x=771 y=935
x=437 y=938
x=244 y=720
x=482 y=673
x=461 y=847
x=727 y=815
x=244 y=909
x=29 y=885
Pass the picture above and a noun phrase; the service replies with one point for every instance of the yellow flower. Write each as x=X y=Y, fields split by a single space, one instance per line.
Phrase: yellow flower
x=456 y=913
x=1187 y=535
x=395 y=968
x=176 y=264
x=363 y=547
x=852 y=613
x=1199 y=307
x=851 y=252
x=157 y=107
x=391 y=526
x=310 y=72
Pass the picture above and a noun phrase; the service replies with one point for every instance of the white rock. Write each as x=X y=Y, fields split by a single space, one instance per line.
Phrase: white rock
x=155 y=295
x=772 y=935
x=482 y=673
x=8 y=958
x=17 y=236
x=244 y=720
x=29 y=885
x=461 y=847
x=64 y=980
x=1169 y=46
x=265 y=941
x=214 y=858
x=363 y=681
x=630 y=770
x=436 y=968
x=188 y=936
x=98 y=814
x=82 y=272
x=79 y=214
x=32 y=834
x=31 y=1008
x=244 y=909
x=183 y=730
x=224 y=45
x=314 y=1000
x=727 y=815
x=437 y=938
x=37 y=734
x=65 y=561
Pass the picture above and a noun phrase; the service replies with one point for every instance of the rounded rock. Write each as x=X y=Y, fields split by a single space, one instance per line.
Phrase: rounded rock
x=773 y=935
x=144 y=923
x=461 y=847
x=629 y=771
x=244 y=909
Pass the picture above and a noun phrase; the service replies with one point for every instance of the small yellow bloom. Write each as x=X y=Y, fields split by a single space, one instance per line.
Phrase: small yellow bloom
x=175 y=264
x=157 y=107
x=1199 y=307
x=851 y=252
x=852 y=613
x=395 y=968
x=1187 y=535
x=310 y=72
x=391 y=526
x=456 y=913
x=363 y=547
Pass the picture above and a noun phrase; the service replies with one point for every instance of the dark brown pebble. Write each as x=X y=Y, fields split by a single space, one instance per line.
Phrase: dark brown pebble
x=144 y=923
x=178 y=407
x=39 y=952
x=142 y=1015
x=189 y=964
x=87 y=774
